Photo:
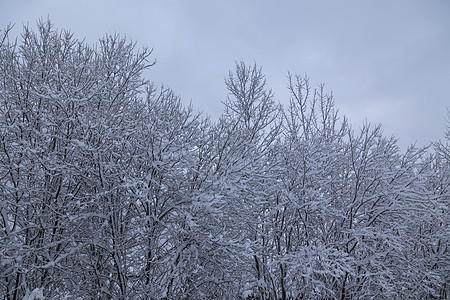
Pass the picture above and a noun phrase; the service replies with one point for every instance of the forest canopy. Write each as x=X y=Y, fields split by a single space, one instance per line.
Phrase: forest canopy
x=111 y=188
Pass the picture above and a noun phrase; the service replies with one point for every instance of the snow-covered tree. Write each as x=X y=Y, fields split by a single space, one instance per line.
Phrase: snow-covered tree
x=67 y=110
x=111 y=188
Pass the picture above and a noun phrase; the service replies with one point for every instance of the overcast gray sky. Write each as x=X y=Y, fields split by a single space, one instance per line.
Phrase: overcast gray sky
x=386 y=61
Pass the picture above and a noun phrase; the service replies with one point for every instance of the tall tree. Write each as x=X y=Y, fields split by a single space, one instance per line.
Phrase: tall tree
x=65 y=113
x=111 y=188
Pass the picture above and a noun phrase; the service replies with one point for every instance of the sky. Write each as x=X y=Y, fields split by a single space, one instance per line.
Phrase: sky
x=385 y=61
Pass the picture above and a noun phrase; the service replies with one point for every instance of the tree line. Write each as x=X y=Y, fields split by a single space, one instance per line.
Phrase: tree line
x=111 y=188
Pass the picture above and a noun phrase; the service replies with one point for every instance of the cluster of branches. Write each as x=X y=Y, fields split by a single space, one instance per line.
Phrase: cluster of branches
x=110 y=188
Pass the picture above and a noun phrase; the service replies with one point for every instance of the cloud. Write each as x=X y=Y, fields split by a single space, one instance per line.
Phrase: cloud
x=386 y=61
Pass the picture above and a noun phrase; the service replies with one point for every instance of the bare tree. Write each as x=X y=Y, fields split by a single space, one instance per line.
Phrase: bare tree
x=65 y=113
x=110 y=188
